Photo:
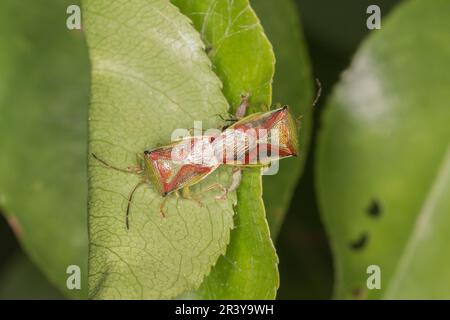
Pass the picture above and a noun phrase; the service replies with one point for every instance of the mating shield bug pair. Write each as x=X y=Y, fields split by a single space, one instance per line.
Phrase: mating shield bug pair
x=249 y=141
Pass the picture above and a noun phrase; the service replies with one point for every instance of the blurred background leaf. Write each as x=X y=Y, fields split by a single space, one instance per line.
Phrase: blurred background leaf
x=384 y=160
x=293 y=86
x=306 y=267
x=338 y=26
x=44 y=88
x=233 y=34
x=20 y=279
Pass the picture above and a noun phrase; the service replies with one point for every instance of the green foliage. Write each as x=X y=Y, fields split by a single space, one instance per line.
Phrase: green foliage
x=44 y=87
x=241 y=55
x=292 y=86
x=20 y=279
x=383 y=167
x=233 y=34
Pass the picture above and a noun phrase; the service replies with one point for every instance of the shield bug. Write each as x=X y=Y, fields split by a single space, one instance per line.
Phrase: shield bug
x=256 y=140
x=259 y=139
x=170 y=168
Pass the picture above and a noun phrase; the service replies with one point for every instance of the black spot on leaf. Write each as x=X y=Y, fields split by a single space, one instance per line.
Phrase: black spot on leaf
x=374 y=209
x=360 y=243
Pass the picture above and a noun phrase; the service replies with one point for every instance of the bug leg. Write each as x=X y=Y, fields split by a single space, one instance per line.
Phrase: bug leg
x=242 y=108
x=163 y=203
x=140 y=161
x=161 y=207
x=135 y=170
x=139 y=168
x=130 y=199
x=235 y=182
x=214 y=186
x=240 y=111
x=186 y=194
x=132 y=170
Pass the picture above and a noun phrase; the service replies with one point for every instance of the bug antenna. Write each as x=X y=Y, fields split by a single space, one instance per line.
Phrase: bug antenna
x=230 y=119
x=106 y=164
x=319 y=92
x=220 y=116
x=130 y=198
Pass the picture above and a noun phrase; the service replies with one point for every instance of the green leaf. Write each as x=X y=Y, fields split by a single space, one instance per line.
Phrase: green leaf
x=150 y=75
x=233 y=35
x=44 y=88
x=384 y=159
x=20 y=279
x=293 y=86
